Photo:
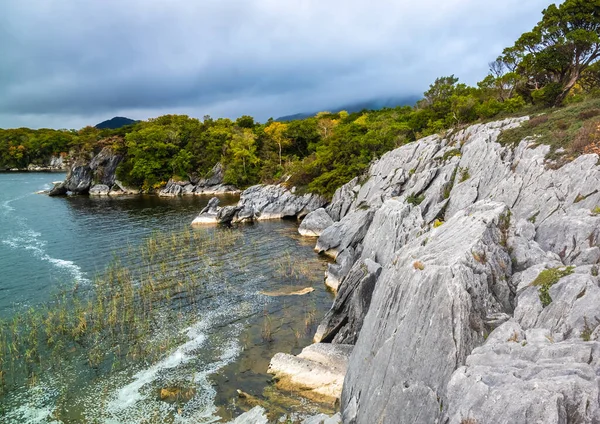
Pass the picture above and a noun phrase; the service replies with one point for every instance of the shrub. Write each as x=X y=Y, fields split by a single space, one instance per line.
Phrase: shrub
x=587 y=114
x=464 y=174
x=537 y=120
x=419 y=265
x=415 y=200
x=546 y=279
x=586 y=137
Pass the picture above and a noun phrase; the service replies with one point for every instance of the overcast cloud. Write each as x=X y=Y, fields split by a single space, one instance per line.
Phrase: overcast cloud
x=71 y=63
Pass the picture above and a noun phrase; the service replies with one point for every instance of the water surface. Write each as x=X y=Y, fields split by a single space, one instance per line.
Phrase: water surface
x=49 y=244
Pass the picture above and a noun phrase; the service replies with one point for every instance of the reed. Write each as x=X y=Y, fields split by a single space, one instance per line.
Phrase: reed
x=127 y=313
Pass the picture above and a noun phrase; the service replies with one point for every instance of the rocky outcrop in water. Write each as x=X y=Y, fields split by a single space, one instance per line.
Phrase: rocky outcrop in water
x=467 y=277
x=82 y=176
x=317 y=372
x=211 y=185
x=262 y=202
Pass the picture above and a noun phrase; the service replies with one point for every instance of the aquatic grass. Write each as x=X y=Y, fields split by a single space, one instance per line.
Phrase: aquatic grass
x=127 y=314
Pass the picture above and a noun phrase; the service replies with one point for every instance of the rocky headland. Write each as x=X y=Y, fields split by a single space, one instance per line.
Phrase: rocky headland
x=467 y=284
x=98 y=177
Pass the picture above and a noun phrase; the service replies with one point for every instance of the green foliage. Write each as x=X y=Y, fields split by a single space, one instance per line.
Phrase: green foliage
x=464 y=174
x=415 y=200
x=450 y=154
x=546 y=279
x=553 y=56
x=557 y=127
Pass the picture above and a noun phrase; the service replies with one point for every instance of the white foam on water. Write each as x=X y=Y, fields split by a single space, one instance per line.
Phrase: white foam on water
x=29 y=240
x=137 y=399
x=130 y=394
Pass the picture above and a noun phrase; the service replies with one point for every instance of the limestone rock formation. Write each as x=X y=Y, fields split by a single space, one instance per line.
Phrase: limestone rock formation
x=449 y=239
x=315 y=223
x=82 y=175
x=211 y=185
x=263 y=202
x=317 y=372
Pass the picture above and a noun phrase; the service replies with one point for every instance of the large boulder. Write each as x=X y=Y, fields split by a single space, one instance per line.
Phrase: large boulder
x=317 y=372
x=263 y=202
x=210 y=213
x=100 y=190
x=315 y=223
x=100 y=170
x=344 y=234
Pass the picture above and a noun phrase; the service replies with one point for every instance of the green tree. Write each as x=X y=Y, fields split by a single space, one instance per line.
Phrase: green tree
x=242 y=158
x=552 y=57
x=276 y=131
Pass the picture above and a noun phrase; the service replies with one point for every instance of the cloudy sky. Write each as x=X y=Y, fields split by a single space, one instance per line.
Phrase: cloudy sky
x=70 y=63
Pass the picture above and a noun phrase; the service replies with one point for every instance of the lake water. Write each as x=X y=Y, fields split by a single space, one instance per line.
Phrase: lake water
x=52 y=245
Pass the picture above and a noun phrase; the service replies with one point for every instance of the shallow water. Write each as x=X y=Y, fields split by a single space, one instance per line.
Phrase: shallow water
x=49 y=244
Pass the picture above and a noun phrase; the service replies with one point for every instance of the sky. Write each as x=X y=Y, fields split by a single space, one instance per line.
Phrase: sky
x=72 y=63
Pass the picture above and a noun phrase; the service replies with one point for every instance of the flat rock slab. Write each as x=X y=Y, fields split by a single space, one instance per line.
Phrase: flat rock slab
x=316 y=373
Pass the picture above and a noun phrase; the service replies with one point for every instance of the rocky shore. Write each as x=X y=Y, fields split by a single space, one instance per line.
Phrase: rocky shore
x=97 y=177
x=259 y=203
x=467 y=284
x=52 y=164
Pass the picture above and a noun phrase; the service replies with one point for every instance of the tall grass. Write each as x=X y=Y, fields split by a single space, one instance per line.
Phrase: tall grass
x=117 y=319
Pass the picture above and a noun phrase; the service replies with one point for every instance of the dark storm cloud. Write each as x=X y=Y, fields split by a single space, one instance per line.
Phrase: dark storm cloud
x=70 y=63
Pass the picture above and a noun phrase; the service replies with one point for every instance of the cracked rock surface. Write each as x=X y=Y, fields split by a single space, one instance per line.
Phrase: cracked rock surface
x=461 y=321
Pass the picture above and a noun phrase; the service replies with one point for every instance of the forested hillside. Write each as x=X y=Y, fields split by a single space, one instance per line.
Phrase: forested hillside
x=553 y=66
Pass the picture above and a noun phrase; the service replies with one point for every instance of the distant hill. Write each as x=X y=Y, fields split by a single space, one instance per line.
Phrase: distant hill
x=373 y=104
x=116 y=122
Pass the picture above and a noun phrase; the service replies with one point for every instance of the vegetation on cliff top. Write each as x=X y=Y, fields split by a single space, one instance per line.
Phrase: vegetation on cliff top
x=554 y=65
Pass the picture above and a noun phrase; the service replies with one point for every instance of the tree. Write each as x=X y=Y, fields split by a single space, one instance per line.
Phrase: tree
x=276 y=131
x=242 y=150
x=552 y=57
x=437 y=98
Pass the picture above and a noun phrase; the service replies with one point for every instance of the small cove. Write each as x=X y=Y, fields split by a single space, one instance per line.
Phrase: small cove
x=228 y=335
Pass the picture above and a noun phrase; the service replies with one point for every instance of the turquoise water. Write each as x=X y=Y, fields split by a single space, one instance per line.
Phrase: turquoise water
x=52 y=244
x=48 y=241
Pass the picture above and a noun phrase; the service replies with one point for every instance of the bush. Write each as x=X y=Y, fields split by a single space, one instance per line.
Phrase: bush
x=586 y=137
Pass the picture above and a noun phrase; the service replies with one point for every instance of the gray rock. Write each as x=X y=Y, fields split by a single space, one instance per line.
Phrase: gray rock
x=99 y=190
x=426 y=315
x=208 y=215
x=317 y=372
x=83 y=174
x=257 y=415
x=348 y=232
x=315 y=223
x=344 y=320
x=79 y=178
x=323 y=419
x=516 y=378
x=342 y=200
x=338 y=270
x=104 y=166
